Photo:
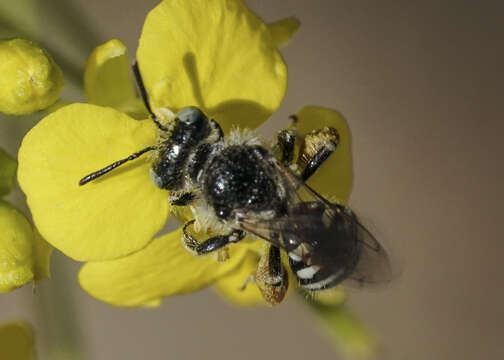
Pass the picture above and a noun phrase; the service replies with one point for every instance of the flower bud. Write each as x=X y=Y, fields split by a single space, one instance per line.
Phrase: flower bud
x=30 y=79
x=16 y=341
x=16 y=249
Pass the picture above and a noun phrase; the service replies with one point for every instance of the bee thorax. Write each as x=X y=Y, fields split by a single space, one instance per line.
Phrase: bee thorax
x=237 y=178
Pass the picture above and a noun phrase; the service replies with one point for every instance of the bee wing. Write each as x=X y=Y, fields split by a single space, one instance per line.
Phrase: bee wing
x=373 y=266
x=343 y=244
x=356 y=253
x=271 y=230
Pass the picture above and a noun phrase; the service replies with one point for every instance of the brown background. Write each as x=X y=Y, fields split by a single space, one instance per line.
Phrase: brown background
x=420 y=84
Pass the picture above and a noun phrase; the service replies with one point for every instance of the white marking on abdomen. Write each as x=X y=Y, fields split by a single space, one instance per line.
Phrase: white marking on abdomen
x=295 y=257
x=307 y=272
x=320 y=284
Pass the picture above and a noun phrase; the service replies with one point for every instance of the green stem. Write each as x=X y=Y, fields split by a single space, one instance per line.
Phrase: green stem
x=57 y=314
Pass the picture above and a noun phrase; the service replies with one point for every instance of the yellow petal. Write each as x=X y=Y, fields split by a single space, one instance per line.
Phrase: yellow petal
x=30 y=79
x=16 y=252
x=163 y=268
x=7 y=172
x=42 y=251
x=108 y=79
x=216 y=55
x=110 y=217
x=230 y=287
x=283 y=30
x=334 y=178
x=16 y=342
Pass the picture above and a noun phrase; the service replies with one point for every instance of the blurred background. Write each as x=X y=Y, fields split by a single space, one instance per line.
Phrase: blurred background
x=421 y=86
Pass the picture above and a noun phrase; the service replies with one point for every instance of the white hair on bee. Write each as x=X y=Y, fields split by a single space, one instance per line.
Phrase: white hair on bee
x=164 y=115
x=244 y=136
x=214 y=135
x=334 y=199
x=309 y=296
x=205 y=218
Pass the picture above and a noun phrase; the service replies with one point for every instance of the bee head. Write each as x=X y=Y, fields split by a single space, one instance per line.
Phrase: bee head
x=191 y=126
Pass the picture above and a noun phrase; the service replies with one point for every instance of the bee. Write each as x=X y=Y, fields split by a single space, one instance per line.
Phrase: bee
x=237 y=185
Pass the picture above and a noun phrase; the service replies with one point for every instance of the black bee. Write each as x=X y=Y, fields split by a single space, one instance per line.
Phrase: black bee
x=236 y=185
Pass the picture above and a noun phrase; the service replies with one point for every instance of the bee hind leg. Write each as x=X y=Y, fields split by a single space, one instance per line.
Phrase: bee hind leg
x=211 y=244
x=316 y=148
x=271 y=276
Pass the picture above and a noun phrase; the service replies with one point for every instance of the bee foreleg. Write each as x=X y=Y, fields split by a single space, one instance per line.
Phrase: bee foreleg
x=211 y=244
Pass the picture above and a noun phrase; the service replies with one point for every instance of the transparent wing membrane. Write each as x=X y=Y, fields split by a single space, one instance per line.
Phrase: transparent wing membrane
x=330 y=235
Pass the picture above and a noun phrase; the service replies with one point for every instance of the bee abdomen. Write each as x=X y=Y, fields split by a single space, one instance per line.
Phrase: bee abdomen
x=314 y=277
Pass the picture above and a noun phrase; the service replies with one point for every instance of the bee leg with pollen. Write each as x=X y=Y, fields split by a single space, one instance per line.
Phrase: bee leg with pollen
x=271 y=277
x=211 y=244
x=316 y=148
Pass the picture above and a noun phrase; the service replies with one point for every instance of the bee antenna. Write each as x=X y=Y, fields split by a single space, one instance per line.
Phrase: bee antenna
x=112 y=166
x=145 y=97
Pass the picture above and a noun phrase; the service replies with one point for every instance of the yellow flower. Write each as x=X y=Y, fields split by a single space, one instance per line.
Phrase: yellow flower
x=16 y=342
x=24 y=255
x=216 y=55
x=107 y=80
x=30 y=80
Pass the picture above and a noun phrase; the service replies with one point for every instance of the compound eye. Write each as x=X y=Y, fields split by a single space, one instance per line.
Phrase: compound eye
x=191 y=115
